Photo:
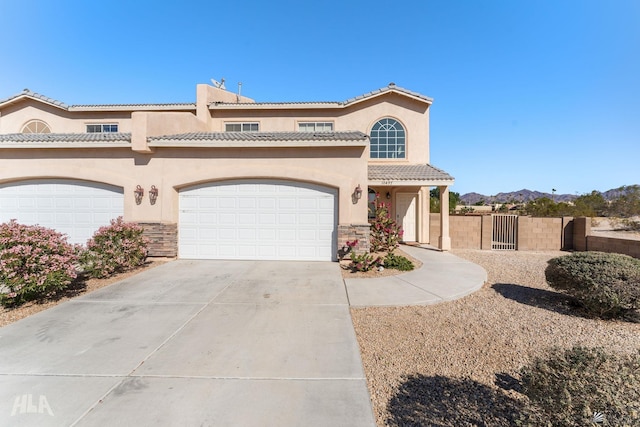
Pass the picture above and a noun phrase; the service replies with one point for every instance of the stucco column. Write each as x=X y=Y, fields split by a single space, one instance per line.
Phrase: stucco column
x=424 y=217
x=444 y=241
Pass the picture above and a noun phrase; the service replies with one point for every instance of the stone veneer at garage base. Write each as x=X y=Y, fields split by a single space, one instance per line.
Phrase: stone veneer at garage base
x=164 y=238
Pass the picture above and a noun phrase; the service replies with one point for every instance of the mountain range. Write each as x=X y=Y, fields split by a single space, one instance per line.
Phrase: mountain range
x=525 y=195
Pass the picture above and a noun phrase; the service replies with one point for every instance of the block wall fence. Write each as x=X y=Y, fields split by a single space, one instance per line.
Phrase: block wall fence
x=533 y=234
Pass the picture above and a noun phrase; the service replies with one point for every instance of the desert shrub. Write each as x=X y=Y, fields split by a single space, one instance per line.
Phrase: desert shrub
x=606 y=284
x=364 y=261
x=35 y=262
x=397 y=262
x=385 y=231
x=114 y=248
x=570 y=387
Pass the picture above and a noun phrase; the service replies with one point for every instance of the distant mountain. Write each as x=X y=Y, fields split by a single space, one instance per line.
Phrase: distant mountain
x=525 y=195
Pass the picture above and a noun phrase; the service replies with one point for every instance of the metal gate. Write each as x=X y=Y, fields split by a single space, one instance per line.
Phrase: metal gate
x=504 y=235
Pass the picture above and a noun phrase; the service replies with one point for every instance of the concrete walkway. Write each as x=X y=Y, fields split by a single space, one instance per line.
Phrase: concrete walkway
x=442 y=277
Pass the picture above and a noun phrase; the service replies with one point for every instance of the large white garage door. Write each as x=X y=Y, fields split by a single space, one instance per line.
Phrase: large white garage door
x=258 y=219
x=76 y=208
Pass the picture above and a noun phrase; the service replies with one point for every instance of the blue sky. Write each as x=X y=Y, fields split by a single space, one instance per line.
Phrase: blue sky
x=528 y=94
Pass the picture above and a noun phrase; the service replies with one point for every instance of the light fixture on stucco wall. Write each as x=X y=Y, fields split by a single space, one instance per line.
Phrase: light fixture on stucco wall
x=388 y=195
x=138 y=193
x=153 y=194
x=358 y=192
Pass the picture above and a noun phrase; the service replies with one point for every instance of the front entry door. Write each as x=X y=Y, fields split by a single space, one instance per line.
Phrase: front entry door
x=406 y=215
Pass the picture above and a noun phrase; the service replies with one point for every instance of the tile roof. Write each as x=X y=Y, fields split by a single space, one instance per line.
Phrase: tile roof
x=390 y=88
x=181 y=106
x=27 y=92
x=55 y=102
x=65 y=137
x=407 y=173
x=168 y=106
x=261 y=136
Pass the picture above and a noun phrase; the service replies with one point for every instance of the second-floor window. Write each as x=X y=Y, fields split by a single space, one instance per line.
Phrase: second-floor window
x=241 y=127
x=315 y=127
x=388 y=140
x=102 y=128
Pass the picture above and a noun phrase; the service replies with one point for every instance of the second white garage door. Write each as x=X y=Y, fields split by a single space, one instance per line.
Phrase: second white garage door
x=265 y=219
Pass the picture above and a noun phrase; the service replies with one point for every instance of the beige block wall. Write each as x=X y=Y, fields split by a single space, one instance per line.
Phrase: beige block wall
x=539 y=234
x=613 y=245
x=465 y=231
x=533 y=234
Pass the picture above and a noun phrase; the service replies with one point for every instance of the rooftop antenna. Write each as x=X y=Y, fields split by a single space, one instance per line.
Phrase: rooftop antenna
x=218 y=84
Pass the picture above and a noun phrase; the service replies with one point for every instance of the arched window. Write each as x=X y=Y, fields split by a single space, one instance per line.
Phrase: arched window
x=36 y=126
x=387 y=140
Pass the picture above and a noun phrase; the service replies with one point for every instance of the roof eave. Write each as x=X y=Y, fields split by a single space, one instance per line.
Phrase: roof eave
x=254 y=144
x=412 y=182
x=276 y=106
x=22 y=97
x=133 y=108
x=46 y=145
x=357 y=100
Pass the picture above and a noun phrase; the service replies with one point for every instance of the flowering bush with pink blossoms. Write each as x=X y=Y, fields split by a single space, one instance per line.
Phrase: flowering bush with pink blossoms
x=364 y=261
x=385 y=231
x=34 y=262
x=115 y=248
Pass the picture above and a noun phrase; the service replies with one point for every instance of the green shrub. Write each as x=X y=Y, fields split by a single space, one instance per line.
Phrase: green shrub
x=607 y=285
x=570 y=386
x=397 y=262
x=113 y=249
x=34 y=262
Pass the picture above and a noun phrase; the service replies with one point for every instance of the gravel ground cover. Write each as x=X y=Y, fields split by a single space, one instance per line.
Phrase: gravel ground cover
x=456 y=363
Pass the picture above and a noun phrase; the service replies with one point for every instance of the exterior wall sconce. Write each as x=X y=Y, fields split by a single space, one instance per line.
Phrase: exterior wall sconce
x=388 y=195
x=153 y=194
x=138 y=194
x=358 y=192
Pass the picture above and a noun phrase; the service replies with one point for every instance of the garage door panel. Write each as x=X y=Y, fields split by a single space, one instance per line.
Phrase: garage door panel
x=27 y=203
x=76 y=208
x=267 y=203
x=262 y=219
x=287 y=203
x=227 y=234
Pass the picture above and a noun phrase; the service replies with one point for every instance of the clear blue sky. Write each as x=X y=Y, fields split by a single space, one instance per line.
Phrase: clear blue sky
x=528 y=94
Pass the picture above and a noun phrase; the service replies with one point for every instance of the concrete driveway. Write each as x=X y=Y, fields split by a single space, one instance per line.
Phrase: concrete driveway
x=206 y=343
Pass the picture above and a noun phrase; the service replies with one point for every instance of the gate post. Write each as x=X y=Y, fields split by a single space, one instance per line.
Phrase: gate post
x=487 y=232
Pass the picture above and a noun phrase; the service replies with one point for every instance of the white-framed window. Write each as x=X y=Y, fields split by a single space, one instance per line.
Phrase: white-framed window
x=315 y=126
x=102 y=128
x=241 y=127
x=36 y=126
x=388 y=140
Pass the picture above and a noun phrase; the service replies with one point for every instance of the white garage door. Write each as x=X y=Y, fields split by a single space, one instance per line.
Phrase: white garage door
x=76 y=208
x=265 y=219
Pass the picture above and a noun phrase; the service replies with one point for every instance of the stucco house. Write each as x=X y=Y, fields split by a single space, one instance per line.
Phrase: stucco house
x=225 y=177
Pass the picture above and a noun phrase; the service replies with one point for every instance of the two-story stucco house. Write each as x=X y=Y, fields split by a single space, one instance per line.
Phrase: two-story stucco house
x=225 y=177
